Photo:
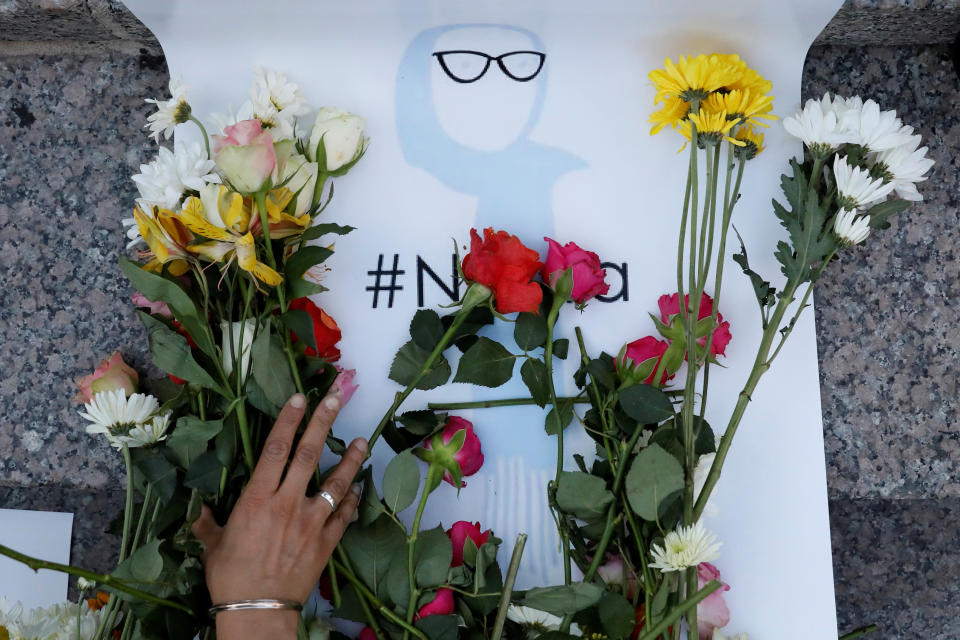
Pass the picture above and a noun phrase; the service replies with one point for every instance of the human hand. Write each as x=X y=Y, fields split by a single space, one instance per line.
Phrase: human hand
x=277 y=541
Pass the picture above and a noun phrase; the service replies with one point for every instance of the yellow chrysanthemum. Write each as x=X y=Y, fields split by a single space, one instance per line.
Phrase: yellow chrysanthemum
x=712 y=127
x=752 y=142
x=742 y=106
x=745 y=78
x=674 y=110
x=692 y=78
x=166 y=237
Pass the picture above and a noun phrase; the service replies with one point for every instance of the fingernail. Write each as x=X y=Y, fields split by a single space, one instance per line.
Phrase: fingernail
x=360 y=444
x=298 y=401
x=356 y=488
x=332 y=402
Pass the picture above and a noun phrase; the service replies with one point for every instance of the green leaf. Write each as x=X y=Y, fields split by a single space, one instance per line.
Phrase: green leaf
x=560 y=348
x=144 y=566
x=300 y=323
x=426 y=329
x=880 y=212
x=158 y=471
x=370 y=507
x=304 y=259
x=268 y=363
x=601 y=370
x=486 y=363
x=585 y=496
x=564 y=599
x=616 y=615
x=204 y=474
x=645 y=404
x=372 y=549
x=438 y=627
x=323 y=229
x=811 y=240
x=653 y=478
x=535 y=375
x=551 y=424
x=432 y=557
x=530 y=330
x=171 y=353
x=401 y=480
x=302 y=288
x=158 y=288
x=190 y=438
x=410 y=360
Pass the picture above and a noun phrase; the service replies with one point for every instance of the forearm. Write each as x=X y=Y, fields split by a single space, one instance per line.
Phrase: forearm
x=256 y=625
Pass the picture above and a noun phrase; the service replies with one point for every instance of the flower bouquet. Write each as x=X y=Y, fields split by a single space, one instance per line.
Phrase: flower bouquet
x=225 y=289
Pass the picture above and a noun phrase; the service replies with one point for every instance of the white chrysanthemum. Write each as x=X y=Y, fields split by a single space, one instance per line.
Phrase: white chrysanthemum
x=78 y=622
x=851 y=229
x=868 y=126
x=148 y=433
x=818 y=126
x=685 y=547
x=36 y=624
x=163 y=181
x=9 y=611
x=277 y=102
x=855 y=187
x=537 y=620
x=169 y=112
x=904 y=166
x=114 y=415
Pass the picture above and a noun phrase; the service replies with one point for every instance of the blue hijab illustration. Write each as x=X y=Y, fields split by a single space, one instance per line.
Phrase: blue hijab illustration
x=513 y=184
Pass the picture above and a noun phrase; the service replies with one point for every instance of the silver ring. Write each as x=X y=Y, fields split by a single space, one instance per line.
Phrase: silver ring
x=329 y=498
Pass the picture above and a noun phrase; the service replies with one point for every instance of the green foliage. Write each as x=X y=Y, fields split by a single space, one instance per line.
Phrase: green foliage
x=191 y=437
x=585 y=496
x=645 y=404
x=438 y=627
x=426 y=329
x=564 y=599
x=880 y=212
x=534 y=374
x=322 y=229
x=401 y=480
x=156 y=470
x=558 y=417
x=432 y=556
x=372 y=549
x=410 y=360
x=654 y=477
x=530 y=330
x=304 y=259
x=487 y=363
x=616 y=615
x=301 y=324
x=204 y=473
x=268 y=364
x=143 y=567
x=811 y=240
x=762 y=289
x=560 y=348
x=173 y=355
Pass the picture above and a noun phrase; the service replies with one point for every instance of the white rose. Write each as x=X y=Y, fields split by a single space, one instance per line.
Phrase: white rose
x=342 y=135
x=241 y=345
x=303 y=172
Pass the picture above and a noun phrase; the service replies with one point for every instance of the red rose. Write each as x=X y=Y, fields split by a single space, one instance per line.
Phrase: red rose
x=367 y=634
x=193 y=345
x=326 y=333
x=459 y=533
x=441 y=605
x=503 y=264
x=643 y=350
x=588 y=275
x=670 y=306
x=470 y=455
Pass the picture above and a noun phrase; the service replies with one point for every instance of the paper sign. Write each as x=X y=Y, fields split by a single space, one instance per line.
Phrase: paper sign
x=552 y=141
x=41 y=534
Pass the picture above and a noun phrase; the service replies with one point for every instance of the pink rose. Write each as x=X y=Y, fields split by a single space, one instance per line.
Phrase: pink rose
x=113 y=373
x=470 y=455
x=344 y=383
x=670 y=306
x=245 y=155
x=155 y=308
x=644 y=354
x=441 y=605
x=614 y=572
x=459 y=533
x=712 y=612
x=588 y=276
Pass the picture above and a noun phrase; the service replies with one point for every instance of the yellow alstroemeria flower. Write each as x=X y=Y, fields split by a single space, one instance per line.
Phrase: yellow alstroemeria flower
x=673 y=112
x=224 y=218
x=753 y=142
x=282 y=224
x=742 y=106
x=166 y=237
x=693 y=79
x=712 y=127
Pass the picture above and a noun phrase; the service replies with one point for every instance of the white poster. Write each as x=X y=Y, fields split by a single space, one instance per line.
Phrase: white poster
x=41 y=534
x=532 y=117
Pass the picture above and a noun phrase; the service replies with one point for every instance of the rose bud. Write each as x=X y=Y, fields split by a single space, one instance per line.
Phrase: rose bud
x=344 y=383
x=366 y=634
x=342 y=136
x=638 y=361
x=245 y=155
x=467 y=458
x=441 y=605
x=588 y=276
x=670 y=307
x=504 y=265
x=159 y=308
x=112 y=373
x=459 y=533
x=712 y=612
x=326 y=333
x=242 y=334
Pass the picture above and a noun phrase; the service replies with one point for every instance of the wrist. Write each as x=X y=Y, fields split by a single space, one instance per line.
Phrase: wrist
x=257 y=623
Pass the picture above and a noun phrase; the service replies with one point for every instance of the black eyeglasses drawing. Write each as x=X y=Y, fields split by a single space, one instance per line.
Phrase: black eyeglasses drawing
x=466 y=66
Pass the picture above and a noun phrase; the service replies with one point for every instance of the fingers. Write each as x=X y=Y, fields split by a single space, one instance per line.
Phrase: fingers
x=338 y=522
x=206 y=528
x=266 y=476
x=340 y=480
x=305 y=460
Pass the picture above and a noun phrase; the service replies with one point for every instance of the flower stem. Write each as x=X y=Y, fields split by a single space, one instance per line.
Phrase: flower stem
x=244 y=427
x=128 y=507
x=433 y=473
x=678 y=611
x=508 y=583
x=206 y=138
x=490 y=404
x=859 y=633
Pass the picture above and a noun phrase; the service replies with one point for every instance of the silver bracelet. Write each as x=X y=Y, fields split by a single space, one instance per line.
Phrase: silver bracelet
x=262 y=603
